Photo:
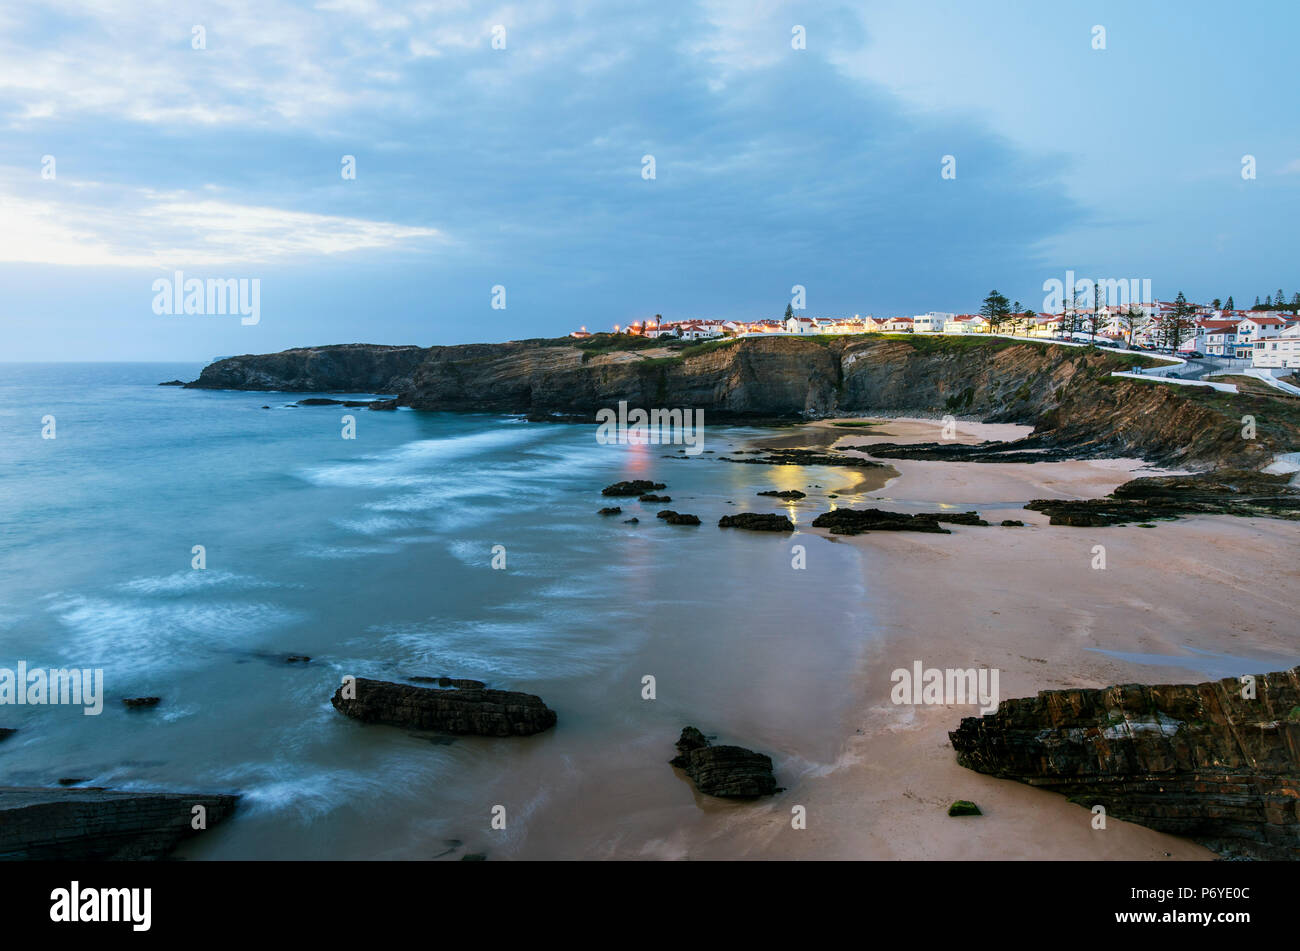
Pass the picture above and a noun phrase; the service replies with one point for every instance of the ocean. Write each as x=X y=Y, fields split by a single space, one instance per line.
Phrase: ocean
x=373 y=556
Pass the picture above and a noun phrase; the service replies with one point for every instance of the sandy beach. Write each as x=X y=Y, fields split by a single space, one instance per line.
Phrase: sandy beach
x=1183 y=601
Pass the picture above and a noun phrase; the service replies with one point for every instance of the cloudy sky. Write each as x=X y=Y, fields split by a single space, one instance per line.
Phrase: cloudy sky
x=128 y=154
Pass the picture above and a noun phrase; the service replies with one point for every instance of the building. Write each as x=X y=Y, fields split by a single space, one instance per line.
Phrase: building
x=931 y=323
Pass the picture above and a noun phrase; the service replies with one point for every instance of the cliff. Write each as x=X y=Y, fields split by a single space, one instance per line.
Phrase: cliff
x=1198 y=760
x=1066 y=393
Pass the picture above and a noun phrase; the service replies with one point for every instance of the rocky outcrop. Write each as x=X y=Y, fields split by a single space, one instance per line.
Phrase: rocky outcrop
x=473 y=710
x=857 y=521
x=633 y=487
x=806 y=457
x=89 y=824
x=731 y=772
x=678 y=518
x=1199 y=760
x=345 y=368
x=1067 y=394
x=1225 y=492
x=757 y=522
x=789 y=495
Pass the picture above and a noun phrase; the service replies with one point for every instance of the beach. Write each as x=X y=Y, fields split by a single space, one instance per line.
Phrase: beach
x=1177 y=603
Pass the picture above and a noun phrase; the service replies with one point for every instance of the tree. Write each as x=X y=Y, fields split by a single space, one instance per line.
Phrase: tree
x=1216 y=304
x=1281 y=299
x=1295 y=302
x=995 y=309
x=1131 y=319
x=1256 y=307
x=789 y=311
x=1176 y=325
x=1230 y=304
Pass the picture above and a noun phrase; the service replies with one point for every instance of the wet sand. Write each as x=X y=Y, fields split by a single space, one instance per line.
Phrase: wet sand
x=1171 y=603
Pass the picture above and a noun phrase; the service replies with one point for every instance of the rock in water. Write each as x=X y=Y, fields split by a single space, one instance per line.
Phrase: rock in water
x=40 y=824
x=731 y=772
x=635 y=487
x=964 y=807
x=678 y=518
x=1198 y=760
x=757 y=522
x=856 y=521
x=789 y=494
x=460 y=710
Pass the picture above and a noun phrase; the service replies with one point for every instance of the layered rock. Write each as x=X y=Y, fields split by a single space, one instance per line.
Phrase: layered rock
x=1225 y=492
x=40 y=824
x=344 y=368
x=1199 y=760
x=731 y=772
x=466 y=708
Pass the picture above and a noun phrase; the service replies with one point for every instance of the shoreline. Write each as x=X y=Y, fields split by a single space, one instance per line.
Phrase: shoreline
x=1027 y=602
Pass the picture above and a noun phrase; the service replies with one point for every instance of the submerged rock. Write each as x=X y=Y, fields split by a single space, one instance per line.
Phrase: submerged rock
x=790 y=494
x=139 y=702
x=459 y=710
x=89 y=824
x=757 y=522
x=634 y=487
x=730 y=772
x=1198 y=760
x=855 y=521
x=610 y=510
x=655 y=498
x=678 y=518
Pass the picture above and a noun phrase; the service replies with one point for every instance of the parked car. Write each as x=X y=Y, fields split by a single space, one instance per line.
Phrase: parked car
x=1194 y=355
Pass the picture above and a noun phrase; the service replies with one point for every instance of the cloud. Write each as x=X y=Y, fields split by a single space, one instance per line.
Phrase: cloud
x=98 y=225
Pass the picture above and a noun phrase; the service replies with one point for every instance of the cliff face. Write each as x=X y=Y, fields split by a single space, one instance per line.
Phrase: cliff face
x=346 y=368
x=1067 y=393
x=1198 y=760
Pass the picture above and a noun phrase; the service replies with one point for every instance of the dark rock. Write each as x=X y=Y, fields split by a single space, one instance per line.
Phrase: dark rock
x=1012 y=523
x=634 y=487
x=855 y=521
x=71 y=780
x=787 y=494
x=807 y=457
x=384 y=404
x=730 y=772
x=757 y=522
x=89 y=824
x=140 y=702
x=297 y=659
x=1226 y=492
x=964 y=807
x=266 y=407
x=631 y=521
x=6 y=733
x=957 y=518
x=320 y=401
x=611 y=510
x=1198 y=760
x=655 y=498
x=460 y=710
x=173 y=383
x=674 y=518
x=474 y=857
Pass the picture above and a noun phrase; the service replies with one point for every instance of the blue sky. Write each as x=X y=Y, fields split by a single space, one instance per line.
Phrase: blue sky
x=522 y=166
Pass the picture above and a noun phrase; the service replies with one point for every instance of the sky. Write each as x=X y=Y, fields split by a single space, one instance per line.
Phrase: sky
x=500 y=157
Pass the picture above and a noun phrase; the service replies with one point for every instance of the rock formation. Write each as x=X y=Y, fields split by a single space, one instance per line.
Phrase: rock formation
x=467 y=709
x=678 y=518
x=90 y=824
x=856 y=521
x=731 y=772
x=1199 y=760
x=757 y=522
x=634 y=487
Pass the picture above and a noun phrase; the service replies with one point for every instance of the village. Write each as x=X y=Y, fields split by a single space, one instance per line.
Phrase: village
x=1267 y=339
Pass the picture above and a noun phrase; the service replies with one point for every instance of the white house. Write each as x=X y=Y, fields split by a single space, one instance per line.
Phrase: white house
x=931 y=323
x=800 y=325
x=1277 y=352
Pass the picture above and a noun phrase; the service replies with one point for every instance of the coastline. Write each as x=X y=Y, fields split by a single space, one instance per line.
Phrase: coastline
x=1025 y=601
